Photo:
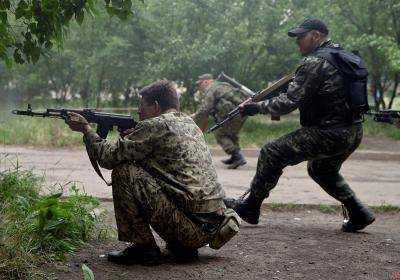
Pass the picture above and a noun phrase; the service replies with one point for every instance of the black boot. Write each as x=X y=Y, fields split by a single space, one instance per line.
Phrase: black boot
x=247 y=208
x=135 y=254
x=237 y=160
x=228 y=160
x=359 y=215
x=182 y=253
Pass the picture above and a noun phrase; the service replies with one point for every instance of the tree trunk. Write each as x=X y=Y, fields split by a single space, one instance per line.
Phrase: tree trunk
x=85 y=94
x=99 y=88
x=394 y=92
x=127 y=98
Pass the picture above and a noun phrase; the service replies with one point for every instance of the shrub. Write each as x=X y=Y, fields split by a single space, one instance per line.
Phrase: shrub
x=37 y=228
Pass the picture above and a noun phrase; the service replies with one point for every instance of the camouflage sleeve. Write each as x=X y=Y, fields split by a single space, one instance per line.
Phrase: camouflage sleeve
x=208 y=103
x=306 y=80
x=135 y=146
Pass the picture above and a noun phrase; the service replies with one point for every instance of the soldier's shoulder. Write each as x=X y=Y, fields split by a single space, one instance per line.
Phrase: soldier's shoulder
x=311 y=60
x=152 y=124
x=222 y=87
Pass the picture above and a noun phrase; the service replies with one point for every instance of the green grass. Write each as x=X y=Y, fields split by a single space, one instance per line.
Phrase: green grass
x=35 y=228
x=386 y=208
x=20 y=130
x=260 y=129
x=326 y=209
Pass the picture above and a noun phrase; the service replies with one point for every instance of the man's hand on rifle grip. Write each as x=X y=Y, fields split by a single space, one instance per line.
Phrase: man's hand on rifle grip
x=126 y=132
x=78 y=123
x=249 y=109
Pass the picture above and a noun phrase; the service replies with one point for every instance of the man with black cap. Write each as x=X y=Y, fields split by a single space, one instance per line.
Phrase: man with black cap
x=219 y=99
x=330 y=131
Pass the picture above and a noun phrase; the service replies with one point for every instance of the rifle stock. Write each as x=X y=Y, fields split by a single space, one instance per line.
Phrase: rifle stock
x=260 y=96
x=384 y=116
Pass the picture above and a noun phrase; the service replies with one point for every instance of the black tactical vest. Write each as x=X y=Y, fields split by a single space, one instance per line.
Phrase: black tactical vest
x=354 y=73
x=331 y=105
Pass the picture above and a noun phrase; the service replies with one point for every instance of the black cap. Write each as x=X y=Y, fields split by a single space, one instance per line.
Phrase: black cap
x=307 y=25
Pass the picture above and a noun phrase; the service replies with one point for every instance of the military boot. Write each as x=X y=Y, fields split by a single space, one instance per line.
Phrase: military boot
x=228 y=160
x=136 y=254
x=237 y=160
x=247 y=208
x=181 y=253
x=359 y=216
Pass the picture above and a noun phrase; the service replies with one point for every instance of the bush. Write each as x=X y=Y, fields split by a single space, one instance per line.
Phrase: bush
x=38 y=228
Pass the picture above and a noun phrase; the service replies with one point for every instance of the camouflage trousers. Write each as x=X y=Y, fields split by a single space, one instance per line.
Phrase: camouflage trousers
x=228 y=136
x=325 y=150
x=140 y=203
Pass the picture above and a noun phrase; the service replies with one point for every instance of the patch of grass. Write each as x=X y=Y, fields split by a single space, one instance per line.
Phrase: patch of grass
x=260 y=129
x=327 y=209
x=43 y=132
x=20 y=130
x=35 y=228
x=386 y=208
x=372 y=128
x=276 y=206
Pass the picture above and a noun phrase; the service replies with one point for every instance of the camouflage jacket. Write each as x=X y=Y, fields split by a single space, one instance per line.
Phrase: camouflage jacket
x=220 y=98
x=172 y=149
x=318 y=91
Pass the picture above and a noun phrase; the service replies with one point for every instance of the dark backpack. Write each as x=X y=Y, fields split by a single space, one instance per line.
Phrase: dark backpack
x=354 y=73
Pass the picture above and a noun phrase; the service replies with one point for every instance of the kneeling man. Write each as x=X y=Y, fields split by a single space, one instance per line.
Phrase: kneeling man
x=162 y=177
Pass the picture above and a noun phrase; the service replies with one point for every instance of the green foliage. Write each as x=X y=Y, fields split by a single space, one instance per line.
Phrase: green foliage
x=327 y=209
x=106 y=60
x=28 y=27
x=255 y=133
x=386 y=208
x=87 y=272
x=37 y=228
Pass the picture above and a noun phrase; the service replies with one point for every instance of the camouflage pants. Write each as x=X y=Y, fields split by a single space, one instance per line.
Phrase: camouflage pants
x=139 y=202
x=325 y=151
x=228 y=136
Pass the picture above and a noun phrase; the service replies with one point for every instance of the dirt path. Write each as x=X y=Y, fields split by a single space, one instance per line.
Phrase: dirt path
x=373 y=174
x=304 y=244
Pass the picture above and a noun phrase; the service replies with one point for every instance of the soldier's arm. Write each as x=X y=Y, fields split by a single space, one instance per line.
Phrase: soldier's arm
x=203 y=122
x=207 y=105
x=306 y=79
x=136 y=146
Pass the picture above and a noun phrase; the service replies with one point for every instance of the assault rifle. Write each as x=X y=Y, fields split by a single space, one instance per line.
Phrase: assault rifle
x=267 y=93
x=225 y=78
x=105 y=123
x=384 y=116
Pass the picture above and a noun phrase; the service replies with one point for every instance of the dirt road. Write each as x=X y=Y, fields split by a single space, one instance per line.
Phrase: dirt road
x=298 y=244
x=373 y=174
x=304 y=244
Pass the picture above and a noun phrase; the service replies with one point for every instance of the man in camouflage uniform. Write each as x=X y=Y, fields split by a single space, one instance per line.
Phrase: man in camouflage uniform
x=219 y=99
x=162 y=176
x=330 y=132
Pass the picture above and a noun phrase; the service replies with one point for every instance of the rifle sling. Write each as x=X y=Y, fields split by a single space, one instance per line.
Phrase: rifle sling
x=95 y=165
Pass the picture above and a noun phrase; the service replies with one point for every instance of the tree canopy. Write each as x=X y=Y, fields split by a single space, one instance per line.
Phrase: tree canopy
x=104 y=59
x=28 y=27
